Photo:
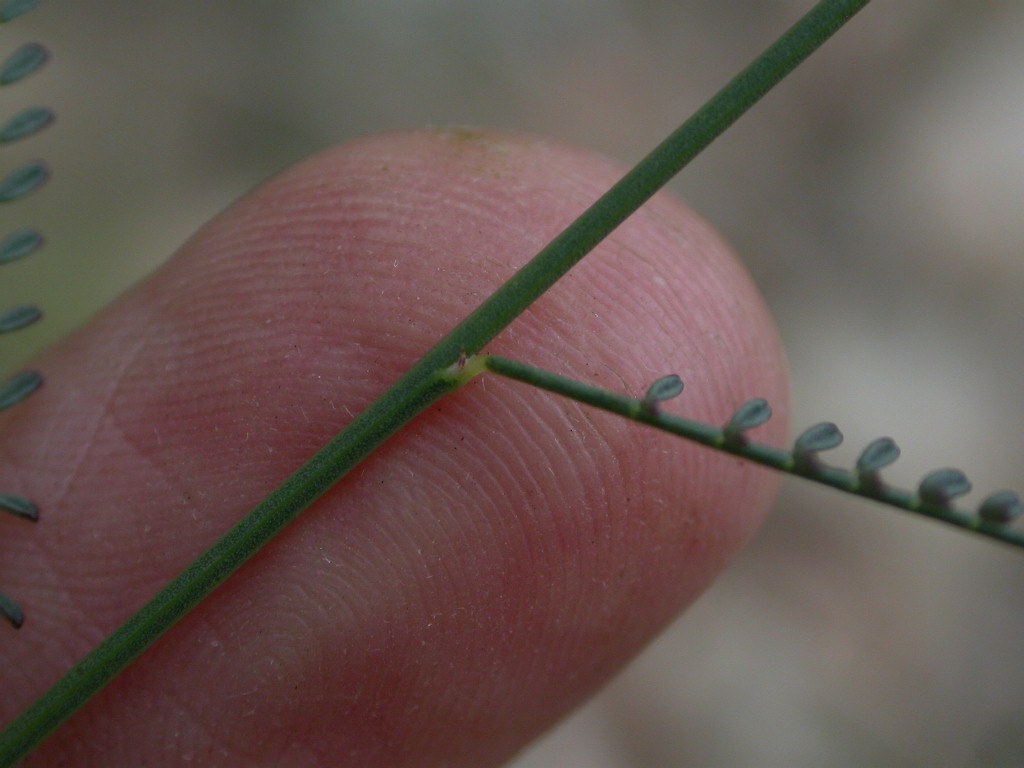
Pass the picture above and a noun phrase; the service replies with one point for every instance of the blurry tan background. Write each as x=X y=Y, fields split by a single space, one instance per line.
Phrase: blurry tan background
x=876 y=196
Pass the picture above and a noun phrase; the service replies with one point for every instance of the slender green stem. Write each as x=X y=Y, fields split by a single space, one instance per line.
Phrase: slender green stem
x=719 y=439
x=423 y=383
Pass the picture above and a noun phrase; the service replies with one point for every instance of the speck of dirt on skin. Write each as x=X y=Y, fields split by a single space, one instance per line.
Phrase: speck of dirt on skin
x=480 y=148
x=475 y=137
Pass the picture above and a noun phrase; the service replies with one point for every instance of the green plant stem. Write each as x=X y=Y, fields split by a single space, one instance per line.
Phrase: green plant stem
x=424 y=382
x=715 y=437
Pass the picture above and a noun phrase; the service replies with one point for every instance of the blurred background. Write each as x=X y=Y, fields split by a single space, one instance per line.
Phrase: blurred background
x=876 y=196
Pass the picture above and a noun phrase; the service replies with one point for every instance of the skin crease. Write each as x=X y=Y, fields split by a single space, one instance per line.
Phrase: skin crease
x=486 y=570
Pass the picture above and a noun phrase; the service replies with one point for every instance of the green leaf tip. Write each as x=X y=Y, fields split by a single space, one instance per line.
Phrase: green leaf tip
x=19 y=244
x=19 y=506
x=26 y=123
x=18 y=387
x=820 y=437
x=23 y=180
x=942 y=486
x=880 y=453
x=18 y=317
x=663 y=389
x=1001 y=508
x=22 y=63
x=11 y=611
x=751 y=414
x=12 y=9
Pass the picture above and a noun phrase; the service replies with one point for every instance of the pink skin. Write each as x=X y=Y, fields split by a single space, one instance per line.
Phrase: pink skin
x=486 y=570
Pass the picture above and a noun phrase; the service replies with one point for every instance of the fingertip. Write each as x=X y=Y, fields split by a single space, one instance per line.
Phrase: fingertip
x=496 y=560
